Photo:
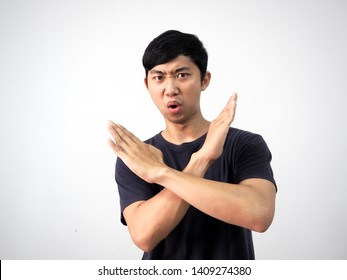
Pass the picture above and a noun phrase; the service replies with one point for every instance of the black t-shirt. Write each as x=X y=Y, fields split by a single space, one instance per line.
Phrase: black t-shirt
x=199 y=236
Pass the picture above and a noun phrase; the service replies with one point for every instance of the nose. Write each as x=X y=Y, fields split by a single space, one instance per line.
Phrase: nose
x=171 y=88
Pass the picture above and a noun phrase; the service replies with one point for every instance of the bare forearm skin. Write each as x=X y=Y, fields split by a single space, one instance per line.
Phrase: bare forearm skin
x=151 y=221
x=249 y=204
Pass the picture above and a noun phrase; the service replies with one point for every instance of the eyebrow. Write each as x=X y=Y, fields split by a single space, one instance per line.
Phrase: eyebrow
x=184 y=68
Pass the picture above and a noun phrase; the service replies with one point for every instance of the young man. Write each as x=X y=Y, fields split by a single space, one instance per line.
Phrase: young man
x=197 y=189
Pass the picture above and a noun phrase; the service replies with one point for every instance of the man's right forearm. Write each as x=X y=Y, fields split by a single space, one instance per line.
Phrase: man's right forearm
x=152 y=220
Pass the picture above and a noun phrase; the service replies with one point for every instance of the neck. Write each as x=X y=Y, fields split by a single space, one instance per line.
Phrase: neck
x=181 y=133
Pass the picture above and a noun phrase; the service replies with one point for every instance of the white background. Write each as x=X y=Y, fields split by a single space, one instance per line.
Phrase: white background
x=67 y=67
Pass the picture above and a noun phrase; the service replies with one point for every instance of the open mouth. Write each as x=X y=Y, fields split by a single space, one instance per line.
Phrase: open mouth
x=174 y=107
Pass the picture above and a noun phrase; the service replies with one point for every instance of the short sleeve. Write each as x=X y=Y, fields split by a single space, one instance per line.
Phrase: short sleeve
x=131 y=188
x=252 y=159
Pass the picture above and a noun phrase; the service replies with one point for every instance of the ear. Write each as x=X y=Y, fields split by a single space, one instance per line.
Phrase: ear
x=206 y=81
x=146 y=82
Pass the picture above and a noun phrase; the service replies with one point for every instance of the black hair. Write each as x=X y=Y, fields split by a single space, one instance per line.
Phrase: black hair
x=172 y=43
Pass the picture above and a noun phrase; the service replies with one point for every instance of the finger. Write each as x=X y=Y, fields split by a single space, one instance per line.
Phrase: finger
x=234 y=96
x=228 y=113
x=126 y=134
x=234 y=101
x=230 y=108
x=231 y=105
x=112 y=128
x=119 y=143
x=124 y=142
x=120 y=133
x=115 y=147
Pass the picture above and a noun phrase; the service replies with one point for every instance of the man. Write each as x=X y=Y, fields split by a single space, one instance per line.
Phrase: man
x=197 y=189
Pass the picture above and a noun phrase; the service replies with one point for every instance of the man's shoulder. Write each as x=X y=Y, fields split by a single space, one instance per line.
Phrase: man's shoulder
x=241 y=135
x=243 y=139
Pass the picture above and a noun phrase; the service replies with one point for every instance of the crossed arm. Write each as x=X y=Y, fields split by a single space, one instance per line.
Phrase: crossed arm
x=249 y=204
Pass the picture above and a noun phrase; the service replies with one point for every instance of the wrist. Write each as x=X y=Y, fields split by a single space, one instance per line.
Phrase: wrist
x=161 y=174
x=198 y=164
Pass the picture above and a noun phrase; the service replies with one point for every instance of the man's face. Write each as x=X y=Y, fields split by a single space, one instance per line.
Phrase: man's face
x=175 y=88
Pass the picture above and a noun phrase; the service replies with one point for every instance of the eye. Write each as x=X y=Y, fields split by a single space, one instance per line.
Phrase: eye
x=158 y=78
x=183 y=75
